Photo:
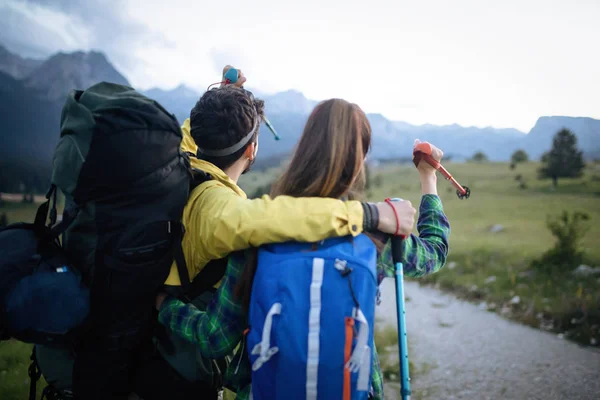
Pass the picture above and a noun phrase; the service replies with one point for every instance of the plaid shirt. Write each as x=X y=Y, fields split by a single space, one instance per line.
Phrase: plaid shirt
x=220 y=329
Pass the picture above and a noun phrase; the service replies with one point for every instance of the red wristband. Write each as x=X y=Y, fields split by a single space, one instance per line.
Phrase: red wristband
x=389 y=201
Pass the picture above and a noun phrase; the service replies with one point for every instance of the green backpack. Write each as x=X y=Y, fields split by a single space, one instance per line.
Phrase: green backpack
x=125 y=181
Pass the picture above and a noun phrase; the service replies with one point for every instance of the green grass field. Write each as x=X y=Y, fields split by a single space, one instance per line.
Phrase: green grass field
x=497 y=199
x=476 y=254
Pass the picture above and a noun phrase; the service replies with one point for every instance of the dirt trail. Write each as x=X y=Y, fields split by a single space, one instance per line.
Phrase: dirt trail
x=463 y=352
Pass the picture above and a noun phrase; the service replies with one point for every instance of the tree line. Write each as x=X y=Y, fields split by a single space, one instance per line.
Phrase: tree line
x=563 y=160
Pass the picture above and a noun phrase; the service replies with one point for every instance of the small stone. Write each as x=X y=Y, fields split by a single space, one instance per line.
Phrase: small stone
x=490 y=279
x=452 y=265
x=546 y=325
x=593 y=341
x=482 y=306
x=561 y=335
x=505 y=310
x=586 y=270
x=491 y=306
x=515 y=300
x=496 y=228
x=474 y=288
x=537 y=379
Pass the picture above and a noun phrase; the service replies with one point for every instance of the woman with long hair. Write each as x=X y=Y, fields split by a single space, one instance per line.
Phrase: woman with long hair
x=328 y=162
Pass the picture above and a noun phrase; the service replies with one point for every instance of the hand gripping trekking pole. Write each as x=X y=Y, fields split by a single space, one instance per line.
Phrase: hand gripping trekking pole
x=423 y=151
x=400 y=313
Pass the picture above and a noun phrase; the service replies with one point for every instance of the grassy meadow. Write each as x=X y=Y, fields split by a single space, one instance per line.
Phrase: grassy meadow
x=486 y=266
x=494 y=267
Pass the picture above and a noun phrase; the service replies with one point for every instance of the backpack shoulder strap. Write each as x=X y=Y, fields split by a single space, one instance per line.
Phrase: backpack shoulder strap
x=212 y=273
x=198 y=177
x=182 y=270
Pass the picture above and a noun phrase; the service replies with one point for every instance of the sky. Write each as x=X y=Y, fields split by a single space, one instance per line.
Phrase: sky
x=472 y=62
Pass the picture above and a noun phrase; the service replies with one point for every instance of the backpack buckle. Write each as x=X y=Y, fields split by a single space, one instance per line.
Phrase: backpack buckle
x=342 y=266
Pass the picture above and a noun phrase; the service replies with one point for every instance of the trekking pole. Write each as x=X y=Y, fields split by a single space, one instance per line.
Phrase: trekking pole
x=423 y=151
x=400 y=313
x=231 y=76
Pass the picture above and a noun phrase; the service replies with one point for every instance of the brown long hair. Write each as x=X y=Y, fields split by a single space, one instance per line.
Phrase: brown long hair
x=329 y=159
x=328 y=162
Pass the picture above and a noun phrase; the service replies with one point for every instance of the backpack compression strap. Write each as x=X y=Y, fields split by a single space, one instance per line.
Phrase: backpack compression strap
x=42 y=214
x=34 y=373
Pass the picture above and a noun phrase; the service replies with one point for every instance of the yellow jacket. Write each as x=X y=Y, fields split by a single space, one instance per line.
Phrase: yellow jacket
x=219 y=218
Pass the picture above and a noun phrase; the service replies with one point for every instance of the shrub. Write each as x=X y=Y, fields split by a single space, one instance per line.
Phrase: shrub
x=569 y=230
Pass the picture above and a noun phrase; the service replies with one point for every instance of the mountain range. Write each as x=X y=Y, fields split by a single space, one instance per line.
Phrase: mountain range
x=288 y=112
x=32 y=93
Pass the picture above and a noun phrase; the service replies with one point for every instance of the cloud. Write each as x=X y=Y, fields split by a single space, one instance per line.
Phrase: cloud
x=41 y=27
x=36 y=32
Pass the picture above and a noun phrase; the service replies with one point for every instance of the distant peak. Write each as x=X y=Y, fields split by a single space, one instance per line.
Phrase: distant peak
x=92 y=55
x=183 y=89
x=293 y=91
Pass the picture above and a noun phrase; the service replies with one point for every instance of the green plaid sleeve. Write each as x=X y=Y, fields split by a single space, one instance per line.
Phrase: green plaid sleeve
x=219 y=329
x=376 y=378
x=423 y=254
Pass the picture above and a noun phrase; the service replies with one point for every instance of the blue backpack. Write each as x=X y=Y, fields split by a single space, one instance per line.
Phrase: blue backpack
x=311 y=318
x=42 y=298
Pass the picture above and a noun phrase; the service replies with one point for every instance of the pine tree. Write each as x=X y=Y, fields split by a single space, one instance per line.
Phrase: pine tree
x=564 y=160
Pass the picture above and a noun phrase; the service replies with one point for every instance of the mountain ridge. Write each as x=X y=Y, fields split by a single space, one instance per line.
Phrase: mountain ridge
x=15 y=65
x=35 y=91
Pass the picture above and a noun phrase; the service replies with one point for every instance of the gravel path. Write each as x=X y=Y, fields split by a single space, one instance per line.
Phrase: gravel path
x=463 y=352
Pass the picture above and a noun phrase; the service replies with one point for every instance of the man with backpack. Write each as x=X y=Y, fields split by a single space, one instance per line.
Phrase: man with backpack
x=221 y=138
